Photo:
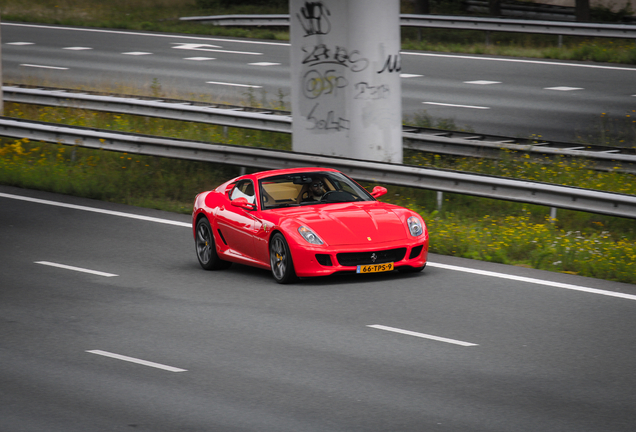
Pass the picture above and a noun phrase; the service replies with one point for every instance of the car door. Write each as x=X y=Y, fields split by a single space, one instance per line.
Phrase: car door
x=236 y=224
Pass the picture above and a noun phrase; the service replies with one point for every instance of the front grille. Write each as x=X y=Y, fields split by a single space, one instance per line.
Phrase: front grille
x=362 y=258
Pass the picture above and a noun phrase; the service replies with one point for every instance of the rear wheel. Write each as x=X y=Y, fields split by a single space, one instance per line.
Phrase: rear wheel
x=206 y=248
x=281 y=260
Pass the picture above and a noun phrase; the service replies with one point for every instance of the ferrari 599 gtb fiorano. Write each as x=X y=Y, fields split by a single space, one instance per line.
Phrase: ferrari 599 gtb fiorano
x=305 y=222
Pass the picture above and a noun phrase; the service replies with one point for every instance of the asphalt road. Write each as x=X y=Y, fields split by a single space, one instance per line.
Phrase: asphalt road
x=512 y=97
x=154 y=343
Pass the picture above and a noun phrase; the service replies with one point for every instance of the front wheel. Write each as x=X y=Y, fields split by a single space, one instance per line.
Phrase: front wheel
x=206 y=248
x=281 y=260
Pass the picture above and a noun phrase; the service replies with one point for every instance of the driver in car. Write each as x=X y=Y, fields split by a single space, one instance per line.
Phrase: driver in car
x=316 y=191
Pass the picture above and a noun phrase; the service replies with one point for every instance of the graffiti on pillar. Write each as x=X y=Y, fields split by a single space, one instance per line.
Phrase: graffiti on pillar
x=321 y=54
x=331 y=70
x=392 y=64
x=316 y=84
x=365 y=91
x=327 y=121
x=314 y=18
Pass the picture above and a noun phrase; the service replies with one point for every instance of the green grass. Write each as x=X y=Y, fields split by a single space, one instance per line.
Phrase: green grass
x=479 y=228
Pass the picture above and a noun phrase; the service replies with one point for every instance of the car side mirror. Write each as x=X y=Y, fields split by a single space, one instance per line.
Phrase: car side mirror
x=378 y=191
x=243 y=203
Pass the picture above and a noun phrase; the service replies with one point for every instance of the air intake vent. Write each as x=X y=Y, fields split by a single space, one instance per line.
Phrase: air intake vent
x=416 y=251
x=376 y=257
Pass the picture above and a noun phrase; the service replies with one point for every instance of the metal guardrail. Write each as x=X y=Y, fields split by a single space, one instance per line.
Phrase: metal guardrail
x=224 y=115
x=524 y=10
x=527 y=10
x=451 y=22
x=421 y=139
x=273 y=20
x=395 y=174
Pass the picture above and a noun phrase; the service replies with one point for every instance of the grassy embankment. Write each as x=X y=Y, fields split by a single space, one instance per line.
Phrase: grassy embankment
x=505 y=232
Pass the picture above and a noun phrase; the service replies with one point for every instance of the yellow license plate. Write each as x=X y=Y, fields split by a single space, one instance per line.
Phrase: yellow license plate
x=375 y=268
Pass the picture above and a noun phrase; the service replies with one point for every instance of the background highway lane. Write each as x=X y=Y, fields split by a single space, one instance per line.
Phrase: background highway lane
x=262 y=356
x=517 y=96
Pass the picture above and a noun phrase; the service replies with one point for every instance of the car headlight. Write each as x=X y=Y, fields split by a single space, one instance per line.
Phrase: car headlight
x=309 y=235
x=415 y=226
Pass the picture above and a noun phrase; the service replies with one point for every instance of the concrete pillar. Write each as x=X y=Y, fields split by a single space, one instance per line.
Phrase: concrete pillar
x=345 y=78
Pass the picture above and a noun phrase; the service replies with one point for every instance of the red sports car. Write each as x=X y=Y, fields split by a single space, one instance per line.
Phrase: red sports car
x=305 y=222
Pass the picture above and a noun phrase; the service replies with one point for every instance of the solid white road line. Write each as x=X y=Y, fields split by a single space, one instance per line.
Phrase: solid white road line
x=422 y=335
x=429 y=264
x=96 y=210
x=456 y=106
x=77 y=269
x=135 y=360
x=43 y=66
x=233 y=84
x=533 y=280
x=158 y=35
x=516 y=60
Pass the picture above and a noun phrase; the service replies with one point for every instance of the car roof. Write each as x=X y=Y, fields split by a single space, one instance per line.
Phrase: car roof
x=264 y=174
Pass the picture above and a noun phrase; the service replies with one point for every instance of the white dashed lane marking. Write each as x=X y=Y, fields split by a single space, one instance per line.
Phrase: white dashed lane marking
x=422 y=335
x=455 y=105
x=43 y=66
x=137 y=361
x=210 y=48
x=482 y=82
x=77 y=269
x=563 y=88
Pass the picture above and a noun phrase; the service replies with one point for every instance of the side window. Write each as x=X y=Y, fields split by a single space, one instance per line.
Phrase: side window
x=244 y=189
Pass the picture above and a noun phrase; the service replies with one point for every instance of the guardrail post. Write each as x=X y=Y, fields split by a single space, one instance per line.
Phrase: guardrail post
x=345 y=78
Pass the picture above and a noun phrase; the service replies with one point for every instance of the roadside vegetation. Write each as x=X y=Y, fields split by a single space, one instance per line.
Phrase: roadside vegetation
x=478 y=228
x=163 y=16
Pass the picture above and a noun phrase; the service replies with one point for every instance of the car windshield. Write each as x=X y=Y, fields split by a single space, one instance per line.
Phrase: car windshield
x=299 y=189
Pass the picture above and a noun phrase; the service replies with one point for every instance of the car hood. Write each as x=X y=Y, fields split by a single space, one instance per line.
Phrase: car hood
x=353 y=223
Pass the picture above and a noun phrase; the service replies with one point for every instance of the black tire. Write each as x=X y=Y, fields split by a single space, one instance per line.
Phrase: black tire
x=206 y=248
x=281 y=260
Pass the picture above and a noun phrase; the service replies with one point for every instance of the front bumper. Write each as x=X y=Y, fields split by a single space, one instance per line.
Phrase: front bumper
x=322 y=261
